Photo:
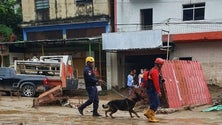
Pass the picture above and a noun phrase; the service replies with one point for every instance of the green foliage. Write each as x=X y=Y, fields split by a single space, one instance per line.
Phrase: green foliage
x=5 y=33
x=10 y=17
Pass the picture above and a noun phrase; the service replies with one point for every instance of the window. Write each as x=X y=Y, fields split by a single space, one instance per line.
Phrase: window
x=185 y=58
x=42 y=9
x=82 y=2
x=193 y=11
x=146 y=16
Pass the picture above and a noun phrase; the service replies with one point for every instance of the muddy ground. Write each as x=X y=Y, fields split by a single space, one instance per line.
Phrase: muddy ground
x=19 y=111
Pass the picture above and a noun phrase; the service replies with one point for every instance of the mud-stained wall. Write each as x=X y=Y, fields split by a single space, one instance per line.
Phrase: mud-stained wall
x=61 y=9
x=213 y=73
x=28 y=10
x=101 y=7
x=207 y=53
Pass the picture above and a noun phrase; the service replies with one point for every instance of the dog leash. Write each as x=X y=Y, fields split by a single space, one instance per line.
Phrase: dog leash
x=114 y=90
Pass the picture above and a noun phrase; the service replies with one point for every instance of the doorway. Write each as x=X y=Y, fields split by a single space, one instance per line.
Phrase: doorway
x=138 y=62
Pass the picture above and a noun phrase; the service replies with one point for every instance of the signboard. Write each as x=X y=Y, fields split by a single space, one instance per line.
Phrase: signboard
x=146 y=39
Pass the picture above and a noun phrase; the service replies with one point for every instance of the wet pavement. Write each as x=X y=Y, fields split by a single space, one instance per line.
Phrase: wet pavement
x=19 y=111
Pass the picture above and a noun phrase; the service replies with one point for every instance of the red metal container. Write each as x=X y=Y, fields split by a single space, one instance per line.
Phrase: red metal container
x=185 y=84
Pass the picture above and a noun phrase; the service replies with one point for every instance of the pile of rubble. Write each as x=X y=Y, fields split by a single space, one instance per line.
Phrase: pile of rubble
x=216 y=94
x=218 y=100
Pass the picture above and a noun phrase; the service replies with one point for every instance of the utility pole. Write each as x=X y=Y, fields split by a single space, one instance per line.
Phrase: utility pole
x=168 y=39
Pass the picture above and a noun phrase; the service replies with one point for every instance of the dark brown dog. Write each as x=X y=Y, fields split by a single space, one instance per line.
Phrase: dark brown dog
x=126 y=104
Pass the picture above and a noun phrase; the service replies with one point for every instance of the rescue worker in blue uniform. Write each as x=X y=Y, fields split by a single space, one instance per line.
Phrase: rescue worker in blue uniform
x=90 y=83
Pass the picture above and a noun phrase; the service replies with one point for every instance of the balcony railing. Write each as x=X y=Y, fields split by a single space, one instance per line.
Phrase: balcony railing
x=174 y=28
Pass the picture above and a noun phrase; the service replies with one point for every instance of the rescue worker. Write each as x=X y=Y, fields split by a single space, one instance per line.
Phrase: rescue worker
x=90 y=83
x=153 y=89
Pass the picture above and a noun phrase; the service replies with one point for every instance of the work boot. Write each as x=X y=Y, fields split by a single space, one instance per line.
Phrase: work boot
x=80 y=111
x=148 y=114
x=153 y=118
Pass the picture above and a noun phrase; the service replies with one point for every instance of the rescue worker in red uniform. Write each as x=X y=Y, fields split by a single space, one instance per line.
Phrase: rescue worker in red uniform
x=153 y=89
x=90 y=83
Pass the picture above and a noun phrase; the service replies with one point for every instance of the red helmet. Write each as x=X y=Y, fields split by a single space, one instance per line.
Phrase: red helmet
x=159 y=61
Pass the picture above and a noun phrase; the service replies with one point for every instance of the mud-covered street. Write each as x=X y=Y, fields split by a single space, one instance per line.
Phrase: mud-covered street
x=19 y=111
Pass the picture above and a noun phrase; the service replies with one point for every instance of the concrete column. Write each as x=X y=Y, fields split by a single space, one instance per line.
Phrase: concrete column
x=112 y=70
x=121 y=71
x=108 y=71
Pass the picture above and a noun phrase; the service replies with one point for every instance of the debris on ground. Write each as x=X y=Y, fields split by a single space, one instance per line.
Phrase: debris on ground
x=166 y=110
x=218 y=100
x=213 y=108
x=216 y=94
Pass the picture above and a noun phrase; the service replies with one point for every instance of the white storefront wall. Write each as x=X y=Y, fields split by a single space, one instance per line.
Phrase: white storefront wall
x=167 y=15
x=168 y=11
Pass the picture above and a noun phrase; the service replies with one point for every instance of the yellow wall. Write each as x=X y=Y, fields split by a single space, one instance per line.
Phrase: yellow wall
x=65 y=9
x=28 y=10
x=101 y=7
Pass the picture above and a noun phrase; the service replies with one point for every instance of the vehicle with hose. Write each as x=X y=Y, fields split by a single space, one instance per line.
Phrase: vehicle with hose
x=61 y=77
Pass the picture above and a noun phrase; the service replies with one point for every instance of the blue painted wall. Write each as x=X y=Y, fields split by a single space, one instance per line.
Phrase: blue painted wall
x=65 y=27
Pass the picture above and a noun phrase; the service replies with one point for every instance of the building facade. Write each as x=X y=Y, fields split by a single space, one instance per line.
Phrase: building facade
x=191 y=30
x=64 y=27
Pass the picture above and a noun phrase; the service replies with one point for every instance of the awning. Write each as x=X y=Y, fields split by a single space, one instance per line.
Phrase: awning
x=84 y=40
x=147 y=39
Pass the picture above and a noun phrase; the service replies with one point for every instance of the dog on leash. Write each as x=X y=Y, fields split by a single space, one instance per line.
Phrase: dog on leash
x=126 y=104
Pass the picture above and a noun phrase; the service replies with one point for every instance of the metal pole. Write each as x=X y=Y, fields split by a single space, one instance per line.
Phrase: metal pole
x=1 y=60
x=43 y=50
x=90 y=49
x=100 y=60
x=168 y=39
x=168 y=45
x=92 y=8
